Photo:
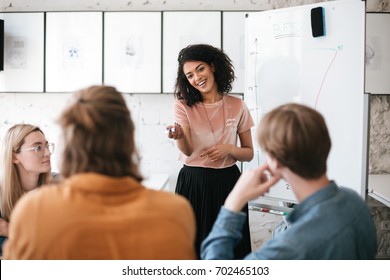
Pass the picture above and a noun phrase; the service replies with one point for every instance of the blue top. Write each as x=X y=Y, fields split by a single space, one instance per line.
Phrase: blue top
x=333 y=223
x=2 y=239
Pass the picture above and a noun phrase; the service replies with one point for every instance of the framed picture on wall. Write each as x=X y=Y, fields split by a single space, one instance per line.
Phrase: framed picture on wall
x=23 y=52
x=377 y=53
x=132 y=51
x=181 y=29
x=74 y=46
x=233 y=44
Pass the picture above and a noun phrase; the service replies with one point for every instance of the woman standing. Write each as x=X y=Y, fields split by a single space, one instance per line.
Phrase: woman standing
x=24 y=165
x=208 y=125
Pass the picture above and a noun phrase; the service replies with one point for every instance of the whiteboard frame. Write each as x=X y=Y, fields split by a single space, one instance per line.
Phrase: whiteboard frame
x=379 y=187
x=139 y=71
x=27 y=31
x=82 y=34
x=348 y=52
x=377 y=53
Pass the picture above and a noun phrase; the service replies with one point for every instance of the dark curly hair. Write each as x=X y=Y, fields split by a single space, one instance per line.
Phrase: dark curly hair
x=224 y=71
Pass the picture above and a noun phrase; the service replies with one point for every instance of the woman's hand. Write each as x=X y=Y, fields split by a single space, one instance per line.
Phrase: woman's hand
x=218 y=152
x=250 y=185
x=175 y=131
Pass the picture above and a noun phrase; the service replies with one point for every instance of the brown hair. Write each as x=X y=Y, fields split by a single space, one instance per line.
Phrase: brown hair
x=98 y=135
x=296 y=135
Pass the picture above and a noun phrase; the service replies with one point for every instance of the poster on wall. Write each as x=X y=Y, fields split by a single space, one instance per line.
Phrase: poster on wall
x=73 y=50
x=132 y=51
x=182 y=29
x=377 y=53
x=23 y=52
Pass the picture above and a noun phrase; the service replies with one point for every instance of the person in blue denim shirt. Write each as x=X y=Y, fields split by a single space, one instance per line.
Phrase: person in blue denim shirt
x=329 y=222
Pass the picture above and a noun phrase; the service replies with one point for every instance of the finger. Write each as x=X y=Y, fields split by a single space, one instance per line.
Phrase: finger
x=262 y=168
x=263 y=177
x=170 y=129
x=269 y=183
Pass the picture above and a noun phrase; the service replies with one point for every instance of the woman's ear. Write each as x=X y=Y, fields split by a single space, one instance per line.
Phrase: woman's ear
x=15 y=159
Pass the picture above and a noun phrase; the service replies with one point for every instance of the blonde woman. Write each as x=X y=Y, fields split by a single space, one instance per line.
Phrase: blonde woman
x=24 y=165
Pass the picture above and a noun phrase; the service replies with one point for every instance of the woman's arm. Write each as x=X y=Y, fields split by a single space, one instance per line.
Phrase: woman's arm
x=245 y=152
x=182 y=135
x=184 y=143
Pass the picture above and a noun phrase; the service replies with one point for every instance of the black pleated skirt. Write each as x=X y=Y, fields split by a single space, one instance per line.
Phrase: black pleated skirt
x=207 y=189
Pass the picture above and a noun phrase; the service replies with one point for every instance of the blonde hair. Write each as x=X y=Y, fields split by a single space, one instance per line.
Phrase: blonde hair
x=10 y=181
x=297 y=136
x=98 y=135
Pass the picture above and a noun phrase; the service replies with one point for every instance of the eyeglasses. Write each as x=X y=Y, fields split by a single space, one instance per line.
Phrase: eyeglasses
x=40 y=149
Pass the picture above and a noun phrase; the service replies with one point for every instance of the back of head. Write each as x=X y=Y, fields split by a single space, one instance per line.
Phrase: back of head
x=98 y=135
x=224 y=71
x=297 y=136
x=10 y=182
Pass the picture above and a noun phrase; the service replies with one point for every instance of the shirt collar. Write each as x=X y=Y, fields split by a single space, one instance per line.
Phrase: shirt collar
x=322 y=195
x=95 y=182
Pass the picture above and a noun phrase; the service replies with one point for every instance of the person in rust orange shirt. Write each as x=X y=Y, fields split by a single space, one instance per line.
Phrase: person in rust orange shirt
x=100 y=210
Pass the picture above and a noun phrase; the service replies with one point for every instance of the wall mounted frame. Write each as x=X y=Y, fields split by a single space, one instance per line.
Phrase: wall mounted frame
x=377 y=53
x=23 y=52
x=132 y=51
x=74 y=47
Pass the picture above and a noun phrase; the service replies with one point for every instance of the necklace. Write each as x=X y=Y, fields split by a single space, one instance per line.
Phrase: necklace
x=211 y=126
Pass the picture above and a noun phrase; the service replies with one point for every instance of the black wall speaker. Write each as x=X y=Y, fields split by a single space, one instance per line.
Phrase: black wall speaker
x=317 y=22
x=1 y=45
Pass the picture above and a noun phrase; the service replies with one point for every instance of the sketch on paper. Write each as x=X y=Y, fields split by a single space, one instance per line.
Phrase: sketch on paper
x=377 y=54
x=131 y=52
x=370 y=53
x=374 y=54
x=72 y=57
x=16 y=52
x=23 y=52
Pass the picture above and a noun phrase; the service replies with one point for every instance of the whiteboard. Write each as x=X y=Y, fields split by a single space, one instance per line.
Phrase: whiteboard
x=377 y=53
x=285 y=63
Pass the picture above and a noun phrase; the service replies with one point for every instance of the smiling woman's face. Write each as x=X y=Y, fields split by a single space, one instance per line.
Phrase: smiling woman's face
x=200 y=75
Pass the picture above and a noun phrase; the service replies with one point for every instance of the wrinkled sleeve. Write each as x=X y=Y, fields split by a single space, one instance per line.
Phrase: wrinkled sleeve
x=246 y=120
x=224 y=236
x=180 y=114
